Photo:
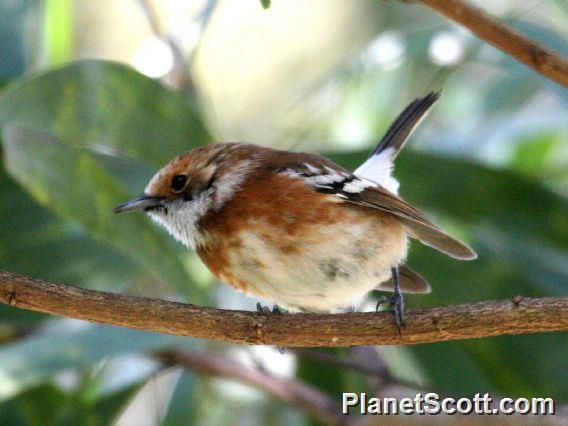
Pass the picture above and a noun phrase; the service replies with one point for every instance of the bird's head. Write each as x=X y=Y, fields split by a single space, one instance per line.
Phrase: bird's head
x=188 y=188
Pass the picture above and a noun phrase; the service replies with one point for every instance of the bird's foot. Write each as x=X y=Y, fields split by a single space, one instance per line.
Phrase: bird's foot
x=397 y=306
x=396 y=302
x=265 y=310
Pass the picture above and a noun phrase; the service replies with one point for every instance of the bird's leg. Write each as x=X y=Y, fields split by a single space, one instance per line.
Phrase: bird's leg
x=397 y=301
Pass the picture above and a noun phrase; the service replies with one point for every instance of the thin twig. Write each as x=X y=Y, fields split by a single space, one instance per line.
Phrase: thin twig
x=289 y=391
x=467 y=321
x=503 y=37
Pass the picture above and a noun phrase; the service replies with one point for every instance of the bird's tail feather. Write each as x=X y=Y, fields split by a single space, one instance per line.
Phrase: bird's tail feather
x=401 y=129
x=378 y=167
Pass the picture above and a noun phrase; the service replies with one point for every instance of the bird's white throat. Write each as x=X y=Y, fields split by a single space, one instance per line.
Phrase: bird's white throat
x=180 y=218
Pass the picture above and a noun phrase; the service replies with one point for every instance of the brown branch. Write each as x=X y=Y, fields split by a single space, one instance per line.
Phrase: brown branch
x=289 y=391
x=467 y=321
x=539 y=58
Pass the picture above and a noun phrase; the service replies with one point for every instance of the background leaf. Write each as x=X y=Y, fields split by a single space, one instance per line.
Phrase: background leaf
x=46 y=166
x=104 y=104
x=39 y=357
x=521 y=238
x=323 y=76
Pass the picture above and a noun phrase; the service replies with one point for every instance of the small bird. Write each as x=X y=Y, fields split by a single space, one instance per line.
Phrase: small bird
x=296 y=228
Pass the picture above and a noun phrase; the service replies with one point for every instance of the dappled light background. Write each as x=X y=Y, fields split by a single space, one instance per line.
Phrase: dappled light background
x=96 y=96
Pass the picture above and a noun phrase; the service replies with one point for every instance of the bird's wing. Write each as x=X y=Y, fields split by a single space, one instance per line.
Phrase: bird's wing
x=418 y=226
x=410 y=282
x=338 y=182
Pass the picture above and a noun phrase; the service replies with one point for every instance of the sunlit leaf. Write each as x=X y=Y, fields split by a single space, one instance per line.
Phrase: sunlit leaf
x=530 y=157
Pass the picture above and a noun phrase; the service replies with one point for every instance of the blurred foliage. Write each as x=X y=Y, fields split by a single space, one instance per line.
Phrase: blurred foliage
x=12 y=56
x=100 y=111
x=47 y=404
x=78 y=139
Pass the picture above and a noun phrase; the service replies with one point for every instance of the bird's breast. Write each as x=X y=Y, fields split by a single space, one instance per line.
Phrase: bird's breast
x=302 y=249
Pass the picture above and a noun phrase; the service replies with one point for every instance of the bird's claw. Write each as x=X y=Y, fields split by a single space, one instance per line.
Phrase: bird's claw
x=396 y=305
x=381 y=301
x=266 y=310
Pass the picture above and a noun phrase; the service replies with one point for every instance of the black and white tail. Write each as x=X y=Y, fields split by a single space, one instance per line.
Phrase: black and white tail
x=379 y=166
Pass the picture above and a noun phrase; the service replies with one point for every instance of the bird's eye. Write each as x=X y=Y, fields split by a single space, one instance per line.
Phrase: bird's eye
x=178 y=183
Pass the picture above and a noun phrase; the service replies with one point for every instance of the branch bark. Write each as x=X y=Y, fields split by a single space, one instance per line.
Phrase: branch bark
x=466 y=321
x=539 y=58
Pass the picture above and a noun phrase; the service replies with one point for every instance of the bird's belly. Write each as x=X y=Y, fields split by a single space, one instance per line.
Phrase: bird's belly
x=321 y=268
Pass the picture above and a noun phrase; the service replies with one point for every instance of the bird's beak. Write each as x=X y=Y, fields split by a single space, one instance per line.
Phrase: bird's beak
x=140 y=204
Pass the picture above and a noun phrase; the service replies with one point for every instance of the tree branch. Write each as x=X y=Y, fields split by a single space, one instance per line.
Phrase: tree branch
x=289 y=391
x=539 y=58
x=466 y=321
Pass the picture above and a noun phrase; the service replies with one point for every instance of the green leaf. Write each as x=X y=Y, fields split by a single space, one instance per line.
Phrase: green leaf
x=498 y=364
x=35 y=359
x=182 y=405
x=112 y=128
x=37 y=243
x=539 y=264
x=69 y=181
x=47 y=404
x=531 y=155
x=98 y=103
x=38 y=406
x=265 y=4
x=108 y=408
x=329 y=380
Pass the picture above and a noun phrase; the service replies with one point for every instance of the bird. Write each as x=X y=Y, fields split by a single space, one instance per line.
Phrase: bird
x=296 y=228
